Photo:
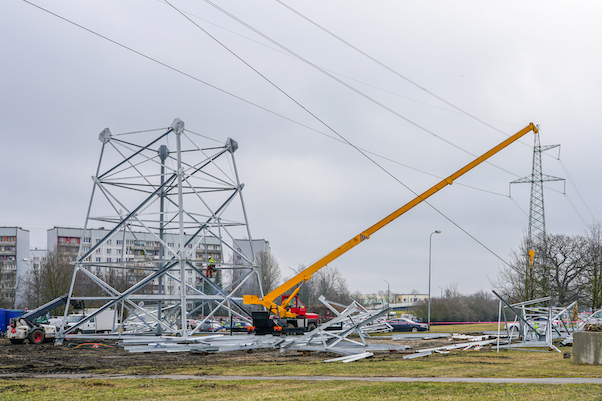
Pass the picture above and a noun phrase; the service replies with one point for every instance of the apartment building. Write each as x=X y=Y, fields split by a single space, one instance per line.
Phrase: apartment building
x=126 y=246
x=243 y=246
x=14 y=264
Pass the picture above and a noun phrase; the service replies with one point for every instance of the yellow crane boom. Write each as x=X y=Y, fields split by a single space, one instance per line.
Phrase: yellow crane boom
x=304 y=275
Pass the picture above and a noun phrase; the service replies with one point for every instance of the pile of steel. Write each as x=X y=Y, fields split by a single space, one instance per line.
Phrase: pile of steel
x=346 y=334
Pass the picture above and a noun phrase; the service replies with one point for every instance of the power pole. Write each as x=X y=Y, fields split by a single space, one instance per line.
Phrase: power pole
x=537 y=221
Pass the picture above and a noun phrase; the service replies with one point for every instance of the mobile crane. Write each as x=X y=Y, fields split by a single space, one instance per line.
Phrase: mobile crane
x=285 y=316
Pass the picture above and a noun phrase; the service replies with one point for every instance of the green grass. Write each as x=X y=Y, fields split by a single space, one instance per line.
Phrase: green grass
x=465 y=328
x=167 y=390
x=456 y=364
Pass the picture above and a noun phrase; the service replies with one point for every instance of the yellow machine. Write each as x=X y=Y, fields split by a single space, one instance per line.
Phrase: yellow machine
x=284 y=312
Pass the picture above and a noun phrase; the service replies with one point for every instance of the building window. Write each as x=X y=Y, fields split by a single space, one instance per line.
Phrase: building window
x=98 y=259
x=62 y=239
x=108 y=250
x=108 y=242
x=98 y=250
x=119 y=242
x=108 y=259
x=87 y=239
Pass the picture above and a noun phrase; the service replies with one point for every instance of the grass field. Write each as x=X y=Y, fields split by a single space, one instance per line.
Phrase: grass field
x=485 y=363
x=166 y=390
x=465 y=328
x=455 y=364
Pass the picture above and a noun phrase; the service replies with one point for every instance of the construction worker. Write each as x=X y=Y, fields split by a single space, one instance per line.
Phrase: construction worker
x=211 y=267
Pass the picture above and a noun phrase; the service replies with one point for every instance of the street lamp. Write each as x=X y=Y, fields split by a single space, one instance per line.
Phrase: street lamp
x=441 y=290
x=388 y=292
x=429 y=308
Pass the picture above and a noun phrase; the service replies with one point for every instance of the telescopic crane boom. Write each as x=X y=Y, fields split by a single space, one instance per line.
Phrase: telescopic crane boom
x=304 y=275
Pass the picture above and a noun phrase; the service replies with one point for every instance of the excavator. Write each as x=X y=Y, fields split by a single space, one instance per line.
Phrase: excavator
x=291 y=314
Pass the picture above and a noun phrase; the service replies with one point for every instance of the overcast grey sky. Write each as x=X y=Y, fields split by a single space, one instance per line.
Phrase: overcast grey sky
x=507 y=64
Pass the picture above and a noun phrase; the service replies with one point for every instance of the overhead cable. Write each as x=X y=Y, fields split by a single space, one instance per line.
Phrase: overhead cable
x=323 y=122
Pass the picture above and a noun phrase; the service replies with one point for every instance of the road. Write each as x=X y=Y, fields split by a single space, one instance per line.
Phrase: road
x=523 y=380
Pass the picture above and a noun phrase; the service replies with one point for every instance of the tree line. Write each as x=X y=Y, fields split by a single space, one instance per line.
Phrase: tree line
x=54 y=275
x=565 y=267
x=456 y=307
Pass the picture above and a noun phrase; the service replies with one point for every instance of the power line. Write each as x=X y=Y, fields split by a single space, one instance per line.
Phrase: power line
x=324 y=123
x=410 y=81
x=575 y=186
x=331 y=76
x=279 y=115
x=236 y=96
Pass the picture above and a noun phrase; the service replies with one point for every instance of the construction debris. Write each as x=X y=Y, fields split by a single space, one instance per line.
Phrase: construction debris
x=351 y=358
x=536 y=324
x=418 y=336
x=333 y=336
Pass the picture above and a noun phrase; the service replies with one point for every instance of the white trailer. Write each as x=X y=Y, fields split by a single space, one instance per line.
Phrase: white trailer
x=101 y=323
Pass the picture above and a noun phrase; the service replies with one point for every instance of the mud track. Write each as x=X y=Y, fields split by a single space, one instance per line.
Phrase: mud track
x=68 y=358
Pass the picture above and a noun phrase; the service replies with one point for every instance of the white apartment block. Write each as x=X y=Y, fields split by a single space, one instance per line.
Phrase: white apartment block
x=243 y=246
x=14 y=264
x=126 y=246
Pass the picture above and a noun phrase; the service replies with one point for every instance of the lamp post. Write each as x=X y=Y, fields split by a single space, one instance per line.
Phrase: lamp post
x=388 y=291
x=441 y=290
x=429 y=307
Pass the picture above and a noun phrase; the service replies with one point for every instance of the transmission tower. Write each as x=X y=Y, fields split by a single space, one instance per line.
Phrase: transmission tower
x=166 y=202
x=537 y=221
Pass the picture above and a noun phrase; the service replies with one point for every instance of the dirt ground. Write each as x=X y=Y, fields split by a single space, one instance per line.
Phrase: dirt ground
x=48 y=358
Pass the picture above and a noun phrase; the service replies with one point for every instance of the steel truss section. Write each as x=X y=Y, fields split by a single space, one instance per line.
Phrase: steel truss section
x=332 y=337
x=536 y=323
x=379 y=325
x=335 y=336
x=163 y=203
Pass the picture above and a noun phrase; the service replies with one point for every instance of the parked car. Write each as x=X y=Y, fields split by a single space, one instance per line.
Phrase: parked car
x=539 y=324
x=243 y=327
x=596 y=318
x=404 y=324
x=210 y=326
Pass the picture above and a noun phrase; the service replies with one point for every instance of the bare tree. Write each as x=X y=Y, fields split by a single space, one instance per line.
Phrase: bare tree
x=269 y=274
x=456 y=307
x=591 y=278
x=51 y=280
x=329 y=282
x=564 y=262
x=269 y=271
x=515 y=281
x=555 y=271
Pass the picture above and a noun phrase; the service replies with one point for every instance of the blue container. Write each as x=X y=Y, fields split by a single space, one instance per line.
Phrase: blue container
x=3 y=322
x=10 y=313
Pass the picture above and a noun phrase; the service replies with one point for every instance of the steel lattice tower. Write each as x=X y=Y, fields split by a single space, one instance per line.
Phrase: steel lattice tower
x=537 y=221
x=165 y=211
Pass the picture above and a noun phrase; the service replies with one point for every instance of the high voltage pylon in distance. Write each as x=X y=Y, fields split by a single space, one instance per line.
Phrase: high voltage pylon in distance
x=537 y=221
